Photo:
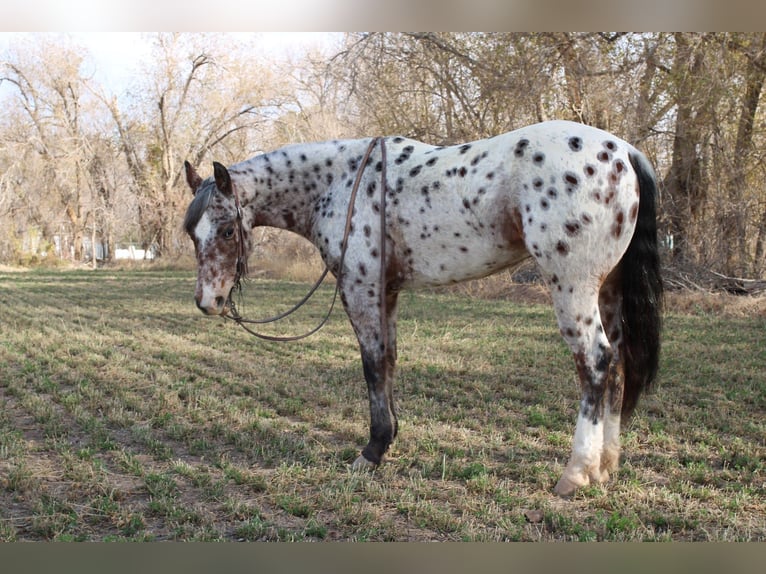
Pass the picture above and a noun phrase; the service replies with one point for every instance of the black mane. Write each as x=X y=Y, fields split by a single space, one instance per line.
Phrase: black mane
x=197 y=207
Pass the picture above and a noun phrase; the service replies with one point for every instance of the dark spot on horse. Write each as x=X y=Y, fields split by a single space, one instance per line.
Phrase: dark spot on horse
x=520 y=146
x=575 y=144
x=398 y=140
x=374 y=253
x=544 y=203
x=538 y=183
x=586 y=218
x=590 y=171
x=362 y=270
x=462 y=172
x=464 y=249
x=552 y=193
x=554 y=279
x=464 y=148
x=562 y=247
x=604 y=156
x=617 y=227
x=538 y=158
x=589 y=321
x=415 y=170
x=605 y=359
x=619 y=166
x=610 y=145
x=432 y=161
x=466 y=204
x=303 y=157
x=634 y=212
x=572 y=182
x=490 y=175
x=367 y=231
x=572 y=228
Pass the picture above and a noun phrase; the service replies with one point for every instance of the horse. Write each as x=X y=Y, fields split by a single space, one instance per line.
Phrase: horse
x=578 y=200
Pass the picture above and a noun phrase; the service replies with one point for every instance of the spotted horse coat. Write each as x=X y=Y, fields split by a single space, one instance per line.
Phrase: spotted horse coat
x=578 y=200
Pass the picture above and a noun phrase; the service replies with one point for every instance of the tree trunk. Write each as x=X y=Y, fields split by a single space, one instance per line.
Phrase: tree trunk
x=738 y=262
x=685 y=186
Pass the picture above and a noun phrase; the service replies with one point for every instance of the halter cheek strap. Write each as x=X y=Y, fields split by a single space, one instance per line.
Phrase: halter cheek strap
x=241 y=268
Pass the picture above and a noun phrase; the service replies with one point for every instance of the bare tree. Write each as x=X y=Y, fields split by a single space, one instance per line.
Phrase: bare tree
x=195 y=97
x=50 y=95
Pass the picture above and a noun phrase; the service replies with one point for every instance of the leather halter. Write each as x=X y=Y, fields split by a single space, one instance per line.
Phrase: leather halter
x=242 y=269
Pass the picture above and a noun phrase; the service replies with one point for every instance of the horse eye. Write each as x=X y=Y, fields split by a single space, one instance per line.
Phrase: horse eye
x=228 y=233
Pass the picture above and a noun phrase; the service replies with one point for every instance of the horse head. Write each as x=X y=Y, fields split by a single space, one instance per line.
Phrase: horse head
x=214 y=223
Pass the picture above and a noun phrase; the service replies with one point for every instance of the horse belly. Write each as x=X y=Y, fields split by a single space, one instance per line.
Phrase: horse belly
x=444 y=253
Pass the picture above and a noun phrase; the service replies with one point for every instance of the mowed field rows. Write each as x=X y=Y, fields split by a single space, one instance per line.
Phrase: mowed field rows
x=127 y=415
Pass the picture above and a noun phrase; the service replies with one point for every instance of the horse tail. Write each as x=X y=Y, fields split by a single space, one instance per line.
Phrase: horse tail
x=642 y=293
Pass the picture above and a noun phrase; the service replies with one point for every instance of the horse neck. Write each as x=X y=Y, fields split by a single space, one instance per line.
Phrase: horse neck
x=282 y=188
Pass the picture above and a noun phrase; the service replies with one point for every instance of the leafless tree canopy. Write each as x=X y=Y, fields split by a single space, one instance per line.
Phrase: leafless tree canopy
x=79 y=166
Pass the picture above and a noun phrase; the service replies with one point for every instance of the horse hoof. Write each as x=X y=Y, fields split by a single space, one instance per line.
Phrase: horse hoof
x=362 y=464
x=566 y=487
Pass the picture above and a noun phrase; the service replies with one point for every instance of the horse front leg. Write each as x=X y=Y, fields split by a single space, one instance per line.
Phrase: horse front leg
x=379 y=364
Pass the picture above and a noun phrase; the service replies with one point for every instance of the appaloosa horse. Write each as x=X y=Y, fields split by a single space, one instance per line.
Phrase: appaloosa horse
x=579 y=200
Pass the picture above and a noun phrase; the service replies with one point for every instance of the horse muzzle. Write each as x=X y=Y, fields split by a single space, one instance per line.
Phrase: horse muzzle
x=213 y=306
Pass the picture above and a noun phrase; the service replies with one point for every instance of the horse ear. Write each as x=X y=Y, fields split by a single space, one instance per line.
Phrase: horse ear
x=222 y=178
x=192 y=178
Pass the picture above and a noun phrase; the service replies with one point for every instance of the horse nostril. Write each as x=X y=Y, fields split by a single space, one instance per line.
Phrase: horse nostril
x=219 y=301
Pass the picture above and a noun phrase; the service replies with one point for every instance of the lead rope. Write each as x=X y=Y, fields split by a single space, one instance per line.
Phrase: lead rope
x=241 y=269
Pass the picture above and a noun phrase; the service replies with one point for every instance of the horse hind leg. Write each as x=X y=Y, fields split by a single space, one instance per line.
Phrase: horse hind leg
x=579 y=319
x=610 y=305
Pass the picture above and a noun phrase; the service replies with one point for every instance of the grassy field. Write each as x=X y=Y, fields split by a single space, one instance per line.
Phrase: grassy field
x=127 y=415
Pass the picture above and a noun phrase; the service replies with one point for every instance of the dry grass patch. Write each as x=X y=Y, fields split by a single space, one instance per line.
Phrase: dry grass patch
x=126 y=415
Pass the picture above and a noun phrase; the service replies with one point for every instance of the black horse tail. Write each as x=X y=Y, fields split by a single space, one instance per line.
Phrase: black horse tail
x=642 y=293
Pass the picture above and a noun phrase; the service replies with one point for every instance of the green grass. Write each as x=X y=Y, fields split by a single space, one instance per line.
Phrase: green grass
x=127 y=415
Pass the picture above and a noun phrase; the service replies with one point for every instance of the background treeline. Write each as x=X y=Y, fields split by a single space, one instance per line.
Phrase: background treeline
x=79 y=166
